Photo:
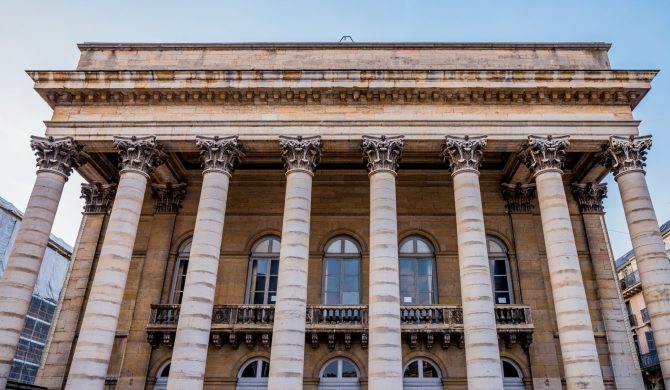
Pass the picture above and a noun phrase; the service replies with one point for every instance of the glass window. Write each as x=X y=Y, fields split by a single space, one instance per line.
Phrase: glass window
x=512 y=376
x=263 y=271
x=339 y=368
x=421 y=374
x=501 y=282
x=417 y=272
x=257 y=368
x=179 y=279
x=651 y=344
x=342 y=272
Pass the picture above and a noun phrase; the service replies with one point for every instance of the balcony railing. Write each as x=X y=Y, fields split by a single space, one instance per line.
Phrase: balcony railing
x=630 y=280
x=649 y=360
x=645 y=315
x=632 y=318
x=428 y=320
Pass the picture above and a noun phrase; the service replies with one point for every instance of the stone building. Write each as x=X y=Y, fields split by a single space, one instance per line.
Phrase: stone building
x=405 y=215
x=638 y=315
x=44 y=300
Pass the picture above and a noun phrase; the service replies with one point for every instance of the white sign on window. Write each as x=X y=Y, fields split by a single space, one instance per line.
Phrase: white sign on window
x=273 y=298
x=407 y=299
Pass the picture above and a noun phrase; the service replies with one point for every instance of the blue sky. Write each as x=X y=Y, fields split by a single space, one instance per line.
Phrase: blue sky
x=43 y=35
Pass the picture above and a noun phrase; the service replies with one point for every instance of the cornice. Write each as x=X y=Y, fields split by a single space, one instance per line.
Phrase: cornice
x=500 y=87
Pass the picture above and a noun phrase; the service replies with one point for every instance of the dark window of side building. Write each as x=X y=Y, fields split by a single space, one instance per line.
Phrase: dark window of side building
x=263 y=271
x=651 y=344
x=342 y=272
x=417 y=272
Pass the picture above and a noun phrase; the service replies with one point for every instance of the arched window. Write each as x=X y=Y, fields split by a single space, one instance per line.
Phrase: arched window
x=339 y=374
x=263 y=270
x=181 y=266
x=254 y=375
x=162 y=377
x=421 y=374
x=512 y=375
x=417 y=272
x=342 y=272
x=501 y=280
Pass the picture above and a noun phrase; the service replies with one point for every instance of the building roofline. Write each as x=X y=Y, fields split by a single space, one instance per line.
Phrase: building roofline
x=345 y=45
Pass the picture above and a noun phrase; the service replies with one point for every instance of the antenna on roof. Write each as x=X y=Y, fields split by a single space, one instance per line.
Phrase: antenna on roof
x=346 y=38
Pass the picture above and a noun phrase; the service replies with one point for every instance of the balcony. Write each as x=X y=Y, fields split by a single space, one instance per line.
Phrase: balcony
x=630 y=284
x=649 y=360
x=645 y=315
x=632 y=319
x=251 y=324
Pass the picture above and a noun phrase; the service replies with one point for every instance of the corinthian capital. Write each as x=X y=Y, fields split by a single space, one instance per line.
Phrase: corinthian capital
x=300 y=153
x=626 y=154
x=168 y=197
x=219 y=154
x=541 y=154
x=590 y=197
x=518 y=197
x=463 y=154
x=139 y=154
x=98 y=197
x=59 y=155
x=382 y=153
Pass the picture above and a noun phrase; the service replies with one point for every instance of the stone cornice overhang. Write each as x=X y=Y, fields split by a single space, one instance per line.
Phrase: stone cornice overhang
x=266 y=87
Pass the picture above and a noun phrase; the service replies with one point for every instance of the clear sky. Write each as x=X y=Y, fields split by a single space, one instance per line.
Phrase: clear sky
x=44 y=34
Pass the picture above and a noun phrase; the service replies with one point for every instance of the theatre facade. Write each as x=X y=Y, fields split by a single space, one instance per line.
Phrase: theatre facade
x=341 y=216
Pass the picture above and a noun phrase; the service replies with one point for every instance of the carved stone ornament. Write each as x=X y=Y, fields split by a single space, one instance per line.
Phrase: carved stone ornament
x=220 y=154
x=168 y=197
x=463 y=154
x=626 y=154
x=300 y=153
x=98 y=197
x=140 y=154
x=541 y=154
x=590 y=197
x=59 y=155
x=382 y=153
x=518 y=197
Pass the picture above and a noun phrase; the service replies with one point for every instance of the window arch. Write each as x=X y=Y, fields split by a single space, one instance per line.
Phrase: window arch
x=339 y=374
x=263 y=271
x=342 y=272
x=512 y=375
x=421 y=374
x=418 y=279
x=501 y=280
x=254 y=375
x=162 y=376
x=180 y=269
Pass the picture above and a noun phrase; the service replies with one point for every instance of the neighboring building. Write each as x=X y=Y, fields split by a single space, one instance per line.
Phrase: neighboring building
x=45 y=295
x=638 y=315
x=473 y=262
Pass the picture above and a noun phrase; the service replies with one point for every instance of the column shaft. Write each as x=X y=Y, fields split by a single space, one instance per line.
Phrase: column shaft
x=652 y=260
x=385 y=346
x=189 y=356
x=288 y=335
x=578 y=348
x=481 y=337
x=96 y=337
x=23 y=265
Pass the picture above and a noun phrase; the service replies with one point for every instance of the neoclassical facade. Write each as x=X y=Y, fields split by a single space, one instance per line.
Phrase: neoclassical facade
x=341 y=216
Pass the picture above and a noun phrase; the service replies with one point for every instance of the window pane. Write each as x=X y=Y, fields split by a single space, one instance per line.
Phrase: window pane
x=333 y=267
x=335 y=247
x=408 y=283
x=351 y=267
x=509 y=371
x=261 y=266
x=500 y=283
x=250 y=370
x=350 y=247
x=332 y=283
x=263 y=246
x=425 y=299
x=412 y=370
x=265 y=372
x=274 y=267
x=425 y=267
x=406 y=267
x=494 y=247
x=259 y=298
x=351 y=283
x=502 y=298
x=275 y=245
x=422 y=247
x=429 y=371
x=350 y=298
x=332 y=298
x=499 y=267
x=331 y=370
x=272 y=297
x=348 y=370
x=273 y=283
x=425 y=283
x=260 y=283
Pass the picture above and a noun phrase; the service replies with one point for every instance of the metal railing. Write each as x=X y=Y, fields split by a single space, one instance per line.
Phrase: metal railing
x=649 y=360
x=645 y=315
x=630 y=280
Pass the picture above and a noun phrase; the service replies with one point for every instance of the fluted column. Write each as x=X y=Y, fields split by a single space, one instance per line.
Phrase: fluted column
x=481 y=337
x=189 y=355
x=383 y=155
x=625 y=157
x=138 y=157
x=55 y=160
x=98 y=199
x=300 y=156
x=544 y=157
x=622 y=353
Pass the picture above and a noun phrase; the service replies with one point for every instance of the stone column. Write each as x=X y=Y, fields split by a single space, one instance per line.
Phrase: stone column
x=189 y=355
x=138 y=157
x=55 y=160
x=622 y=352
x=544 y=157
x=533 y=280
x=383 y=155
x=98 y=198
x=167 y=202
x=482 y=358
x=300 y=156
x=625 y=157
